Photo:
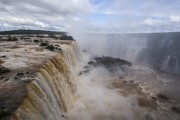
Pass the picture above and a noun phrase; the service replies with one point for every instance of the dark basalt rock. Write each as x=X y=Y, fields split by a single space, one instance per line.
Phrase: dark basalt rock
x=84 y=72
x=148 y=117
x=110 y=63
x=6 y=79
x=11 y=96
x=121 y=77
x=175 y=109
x=2 y=78
x=154 y=98
x=162 y=97
x=124 y=81
x=3 y=113
x=3 y=56
x=20 y=74
x=91 y=62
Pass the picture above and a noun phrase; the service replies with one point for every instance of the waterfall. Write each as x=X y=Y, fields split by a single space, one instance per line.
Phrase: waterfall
x=163 y=43
x=165 y=63
x=53 y=90
x=72 y=53
x=171 y=42
x=177 y=65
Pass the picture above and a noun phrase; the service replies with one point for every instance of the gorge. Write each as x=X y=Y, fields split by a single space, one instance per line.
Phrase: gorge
x=116 y=78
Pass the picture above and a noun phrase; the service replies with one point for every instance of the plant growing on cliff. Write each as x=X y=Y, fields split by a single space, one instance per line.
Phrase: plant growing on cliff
x=43 y=44
x=51 y=35
x=50 y=47
x=65 y=37
x=4 y=69
x=10 y=38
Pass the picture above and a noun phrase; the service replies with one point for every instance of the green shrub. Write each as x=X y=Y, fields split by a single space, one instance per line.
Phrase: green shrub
x=4 y=69
x=51 y=35
x=10 y=38
x=43 y=44
x=50 y=47
x=65 y=37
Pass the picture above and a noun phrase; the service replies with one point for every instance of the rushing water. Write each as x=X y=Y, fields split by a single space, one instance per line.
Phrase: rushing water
x=52 y=92
x=129 y=93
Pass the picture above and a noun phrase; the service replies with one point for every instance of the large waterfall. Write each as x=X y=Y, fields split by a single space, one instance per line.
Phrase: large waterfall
x=64 y=84
x=52 y=92
x=159 y=50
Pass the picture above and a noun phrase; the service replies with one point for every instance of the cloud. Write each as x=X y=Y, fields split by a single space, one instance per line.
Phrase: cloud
x=175 y=18
x=150 y=21
x=97 y=15
x=41 y=14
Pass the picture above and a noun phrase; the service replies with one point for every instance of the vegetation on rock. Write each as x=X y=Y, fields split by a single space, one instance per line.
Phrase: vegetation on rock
x=4 y=69
x=65 y=37
x=50 y=47
x=37 y=32
x=43 y=44
x=10 y=38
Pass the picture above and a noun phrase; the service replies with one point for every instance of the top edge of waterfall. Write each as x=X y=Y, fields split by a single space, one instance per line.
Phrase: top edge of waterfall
x=25 y=67
x=31 y=52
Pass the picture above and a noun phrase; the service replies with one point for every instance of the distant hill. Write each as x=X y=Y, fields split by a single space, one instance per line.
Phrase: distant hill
x=31 y=32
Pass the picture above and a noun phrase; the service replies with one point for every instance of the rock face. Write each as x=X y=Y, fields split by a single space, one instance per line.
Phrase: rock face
x=40 y=84
x=162 y=52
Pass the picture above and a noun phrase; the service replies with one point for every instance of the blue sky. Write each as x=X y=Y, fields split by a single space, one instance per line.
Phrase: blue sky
x=109 y=16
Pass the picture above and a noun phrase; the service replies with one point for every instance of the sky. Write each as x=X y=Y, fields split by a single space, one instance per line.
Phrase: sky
x=102 y=16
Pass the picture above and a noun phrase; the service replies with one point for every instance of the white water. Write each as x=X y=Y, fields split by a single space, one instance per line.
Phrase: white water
x=165 y=63
x=163 y=43
x=53 y=91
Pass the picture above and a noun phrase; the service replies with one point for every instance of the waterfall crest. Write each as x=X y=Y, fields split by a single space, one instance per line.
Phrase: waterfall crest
x=53 y=90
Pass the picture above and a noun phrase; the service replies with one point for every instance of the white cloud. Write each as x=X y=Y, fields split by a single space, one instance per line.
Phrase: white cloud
x=109 y=15
x=76 y=19
x=151 y=21
x=8 y=20
x=175 y=18
x=42 y=14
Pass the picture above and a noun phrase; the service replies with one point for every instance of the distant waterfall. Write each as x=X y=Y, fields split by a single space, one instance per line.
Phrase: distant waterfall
x=163 y=43
x=177 y=65
x=52 y=92
x=170 y=64
x=125 y=48
x=165 y=63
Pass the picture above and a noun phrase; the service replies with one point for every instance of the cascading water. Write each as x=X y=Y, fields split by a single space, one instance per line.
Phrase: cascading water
x=129 y=93
x=165 y=62
x=52 y=92
x=177 y=65
x=163 y=43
